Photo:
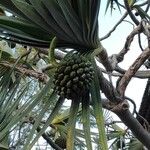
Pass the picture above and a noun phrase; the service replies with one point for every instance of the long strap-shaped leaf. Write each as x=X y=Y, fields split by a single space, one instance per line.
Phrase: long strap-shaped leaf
x=9 y=6
x=24 y=27
x=38 y=14
x=39 y=117
x=29 y=11
x=93 y=20
x=10 y=96
x=71 y=18
x=59 y=19
x=15 y=33
x=6 y=98
x=53 y=114
x=87 y=11
x=71 y=124
x=82 y=11
x=71 y=21
x=86 y=120
x=16 y=39
x=11 y=106
x=19 y=31
x=58 y=27
x=97 y=108
x=26 y=108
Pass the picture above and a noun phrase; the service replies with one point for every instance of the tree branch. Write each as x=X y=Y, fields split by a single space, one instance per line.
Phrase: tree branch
x=108 y=89
x=28 y=72
x=121 y=108
x=141 y=74
x=132 y=70
x=126 y=48
x=103 y=58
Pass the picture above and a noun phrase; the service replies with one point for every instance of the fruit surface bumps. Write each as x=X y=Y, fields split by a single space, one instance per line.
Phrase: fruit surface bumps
x=73 y=76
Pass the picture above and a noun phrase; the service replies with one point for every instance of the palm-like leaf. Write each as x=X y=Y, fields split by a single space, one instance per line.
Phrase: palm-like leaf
x=14 y=108
x=16 y=28
x=74 y=23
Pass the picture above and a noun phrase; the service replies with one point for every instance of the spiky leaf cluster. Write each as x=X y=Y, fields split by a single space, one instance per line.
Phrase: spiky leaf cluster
x=37 y=22
x=73 y=76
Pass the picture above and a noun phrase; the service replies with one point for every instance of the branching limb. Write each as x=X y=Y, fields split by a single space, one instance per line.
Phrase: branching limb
x=146 y=30
x=141 y=74
x=107 y=89
x=58 y=53
x=122 y=111
x=126 y=48
x=103 y=58
x=132 y=70
x=110 y=63
x=28 y=72
x=121 y=108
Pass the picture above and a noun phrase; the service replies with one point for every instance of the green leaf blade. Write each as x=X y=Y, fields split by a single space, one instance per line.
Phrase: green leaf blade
x=97 y=107
x=86 y=120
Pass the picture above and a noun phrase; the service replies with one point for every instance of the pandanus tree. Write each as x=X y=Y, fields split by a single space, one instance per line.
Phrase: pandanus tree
x=64 y=24
x=72 y=26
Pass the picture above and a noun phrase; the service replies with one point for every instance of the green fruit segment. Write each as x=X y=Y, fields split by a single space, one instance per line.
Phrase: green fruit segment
x=73 y=76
